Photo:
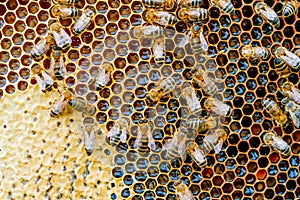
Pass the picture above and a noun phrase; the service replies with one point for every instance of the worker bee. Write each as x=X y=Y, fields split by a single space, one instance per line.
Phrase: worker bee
x=89 y=131
x=60 y=103
x=176 y=146
x=64 y=11
x=290 y=8
x=191 y=99
x=83 y=21
x=192 y=14
x=144 y=139
x=277 y=143
x=57 y=66
x=267 y=13
x=164 y=4
x=212 y=141
x=255 y=52
x=206 y=83
x=201 y=124
x=289 y=58
x=163 y=87
x=64 y=2
x=291 y=91
x=103 y=76
x=41 y=47
x=160 y=17
x=44 y=80
x=217 y=107
x=79 y=104
x=182 y=191
x=198 y=42
x=61 y=37
x=293 y=109
x=149 y=31
x=158 y=52
x=189 y=3
x=118 y=132
x=274 y=110
x=225 y=5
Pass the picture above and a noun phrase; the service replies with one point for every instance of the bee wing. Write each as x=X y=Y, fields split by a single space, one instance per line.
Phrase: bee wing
x=123 y=135
x=204 y=44
x=89 y=141
x=40 y=82
x=181 y=148
x=137 y=143
x=295 y=95
x=62 y=66
x=218 y=147
x=66 y=36
x=158 y=49
x=51 y=69
x=113 y=131
x=295 y=119
x=185 y=40
x=47 y=78
x=151 y=142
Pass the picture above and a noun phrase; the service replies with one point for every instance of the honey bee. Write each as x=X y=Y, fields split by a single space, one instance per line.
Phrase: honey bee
x=293 y=109
x=79 y=104
x=291 y=91
x=290 y=8
x=176 y=147
x=277 y=143
x=255 y=52
x=118 y=132
x=207 y=84
x=163 y=87
x=217 y=107
x=89 y=131
x=144 y=139
x=192 y=14
x=267 y=13
x=83 y=21
x=57 y=66
x=44 y=80
x=191 y=99
x=165 y=4
x=64 y=12
x=61 y=37
x=182 y=191
x=64 y=2
x=103 y=76
x=225 y=5
x=158 y=52
x=212 y=141
x=198 y=41
x=149 y=31
x=41 y=47
x=274 y=110
x=289 y=58
x=201 y=124
x=160 y=17
x=189 y=3
x=60 y=103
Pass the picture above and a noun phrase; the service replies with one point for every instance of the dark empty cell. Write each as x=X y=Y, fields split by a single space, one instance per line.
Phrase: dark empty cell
x=264 y=150
x=243 y=146
x=176 y=163
x=266 y=42
x=238 y=102
x=280 y=189
x=293 y=173
x=246 y=121
x=224 y=34
x=227 y=188
x=277 y=37
x=240 y=89
x=283 y=165
x=235 y=126
x=287 y=43
x=267 y=29
x=222 y=60
x=225 y=20
x=246 y=24
x=252 y=72
x=245 y=38
x=247 y=11
x=128 y=180
x=213 y=38
x=214 y=25
x=206 y=185
x=297 y=25
x=117 y=172
x=214 y=12
x=288 y=32
x=125 y=193
x=228 y=94
x=161 y=191
x=252 y=166
x=248 y=109
x=232 y=151
x=250 y=178
x=293 y=78
x=290 y=196
x=233 y=138
x=174 y=174
x=282 y=177
x=181 y=27
x=240 y=171
x=221 y=156
x=261 y=92
x=237 y=195
x=269 y=194
x=291 y=185
x=256 y=33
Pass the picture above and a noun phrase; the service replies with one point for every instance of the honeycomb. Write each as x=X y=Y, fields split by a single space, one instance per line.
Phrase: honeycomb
x=44 y=157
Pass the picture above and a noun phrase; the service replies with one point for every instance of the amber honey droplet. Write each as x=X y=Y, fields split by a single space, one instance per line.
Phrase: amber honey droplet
x=274 y=157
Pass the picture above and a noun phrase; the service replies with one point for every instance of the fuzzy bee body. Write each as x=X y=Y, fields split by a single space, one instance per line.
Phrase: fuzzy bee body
x=290 y=8
x=206 y=83
x=293 y=109
x=160 y=17
x=217 y=107
x=277 y=143
x=255 y=52
x=103 y=76
x=198 y=42
x=79 y=104
x=61 y=37
x=83 y=21
x=118 y=132
x=60 y=104
x=57 y=66
x=182 y=191
x=149 y=31
x=267 y=13
x=44 y=80
x=144 y=141
x=192 y=100
x=41 y=47
x=225 y=5
x=287 y=57
x=162 y=88
x=158 y=52
x=192 y=14
x=201 y=124
x=89 y=131
x=291 y=91
x=158 y=4
x=66 y=2
x=274 y=110
x=64 y=12
x=189 y=3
